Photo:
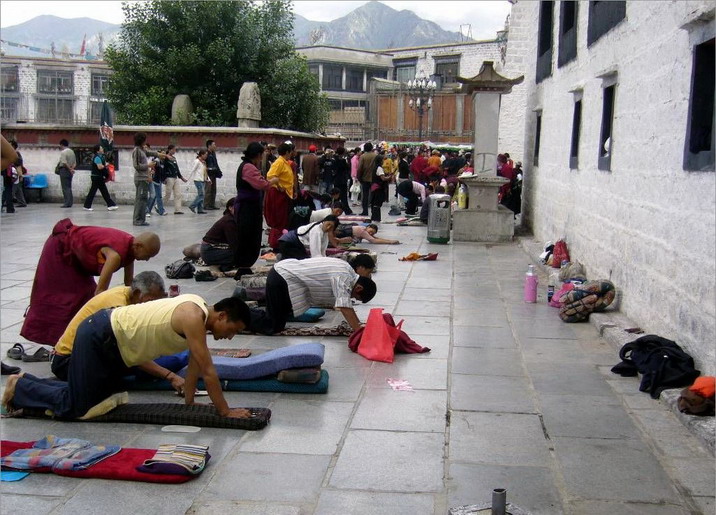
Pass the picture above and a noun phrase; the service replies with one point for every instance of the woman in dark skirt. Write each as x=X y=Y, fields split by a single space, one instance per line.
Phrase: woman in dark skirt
x=247 y=206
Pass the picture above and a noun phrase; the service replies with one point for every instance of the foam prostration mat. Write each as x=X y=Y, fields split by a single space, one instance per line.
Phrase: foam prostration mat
x=202 y=415
x=120 y=466
x=269 y=363
x=266 y=384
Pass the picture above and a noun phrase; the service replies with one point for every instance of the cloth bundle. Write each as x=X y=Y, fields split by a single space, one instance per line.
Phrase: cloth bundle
x=414 y=256
x=661 y=363
x=698 y=399
x=585 y=299
x=58 y=454
x=182 y=459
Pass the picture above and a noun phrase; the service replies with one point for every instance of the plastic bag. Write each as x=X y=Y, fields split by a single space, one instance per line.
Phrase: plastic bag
x=378 y=340
x=560 y=254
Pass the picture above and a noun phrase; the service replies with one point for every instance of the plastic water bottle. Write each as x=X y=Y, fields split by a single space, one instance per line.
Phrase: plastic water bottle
x=550 y=287
x=531 y=281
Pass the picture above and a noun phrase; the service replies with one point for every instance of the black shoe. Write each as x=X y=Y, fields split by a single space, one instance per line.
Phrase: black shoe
x=9 y=369
x=202 y=213
x=192 y=209
x=212 y=208
x=142 y=224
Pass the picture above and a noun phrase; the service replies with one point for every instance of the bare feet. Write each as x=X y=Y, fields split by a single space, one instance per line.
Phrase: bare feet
x=9 y=392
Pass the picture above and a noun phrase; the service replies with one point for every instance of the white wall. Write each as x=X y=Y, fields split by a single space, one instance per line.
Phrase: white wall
x=43 y=160
x=647 y=224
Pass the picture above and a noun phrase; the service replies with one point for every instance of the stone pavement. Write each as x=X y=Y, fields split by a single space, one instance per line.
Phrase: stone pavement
x=510 y=397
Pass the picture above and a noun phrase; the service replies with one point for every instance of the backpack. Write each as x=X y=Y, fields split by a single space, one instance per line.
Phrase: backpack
x=661 y=362
x=179 y=270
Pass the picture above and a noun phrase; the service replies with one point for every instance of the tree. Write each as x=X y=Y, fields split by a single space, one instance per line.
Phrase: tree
x=207 y=50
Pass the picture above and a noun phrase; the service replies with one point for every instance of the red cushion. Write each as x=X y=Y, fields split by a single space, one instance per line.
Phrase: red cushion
x=119 y=466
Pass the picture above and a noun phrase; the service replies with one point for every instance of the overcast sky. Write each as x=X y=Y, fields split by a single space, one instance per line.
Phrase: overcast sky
x=485 y=17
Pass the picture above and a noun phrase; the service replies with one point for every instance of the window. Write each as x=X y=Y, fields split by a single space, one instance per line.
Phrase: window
x=447 y=68
x=354 y=79
x=55 y=110
x=332 y=77
x=538 y=134
x=99 y=84
x=404 y=69
x=700 y=141
x=54 y=82
x=576 y=129
x=314 y=70
x=603 y=16
x=8 y=109
x=95 y=113
x=567 y=33
x=9 y=79
x=377 y=74
x=544 y=41
x=605 y=138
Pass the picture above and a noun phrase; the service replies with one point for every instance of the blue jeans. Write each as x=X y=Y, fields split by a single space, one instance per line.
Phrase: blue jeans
x=198 y=202
x=156 y=188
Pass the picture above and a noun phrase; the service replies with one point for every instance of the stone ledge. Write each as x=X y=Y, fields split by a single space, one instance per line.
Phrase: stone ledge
x=611 y=325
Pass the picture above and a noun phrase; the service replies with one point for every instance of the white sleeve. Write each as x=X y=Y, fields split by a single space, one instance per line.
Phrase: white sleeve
x=316 y=241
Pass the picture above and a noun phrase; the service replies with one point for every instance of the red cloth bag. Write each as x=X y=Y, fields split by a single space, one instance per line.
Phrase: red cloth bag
x=403 y=343
x=559 y=254
x=378 y=340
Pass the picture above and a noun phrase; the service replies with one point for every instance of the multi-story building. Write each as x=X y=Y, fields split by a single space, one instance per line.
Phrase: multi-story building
x=47 y=90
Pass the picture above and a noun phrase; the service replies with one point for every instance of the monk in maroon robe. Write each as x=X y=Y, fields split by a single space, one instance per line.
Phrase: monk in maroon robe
x=64 y=281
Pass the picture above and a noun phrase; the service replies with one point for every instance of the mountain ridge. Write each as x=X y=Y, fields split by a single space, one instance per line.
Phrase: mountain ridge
x=372 y=26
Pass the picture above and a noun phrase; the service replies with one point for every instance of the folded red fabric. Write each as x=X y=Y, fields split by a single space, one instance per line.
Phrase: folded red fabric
x=120 y=466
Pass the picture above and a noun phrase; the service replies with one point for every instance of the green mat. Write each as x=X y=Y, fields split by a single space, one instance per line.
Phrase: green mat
x=267 y=384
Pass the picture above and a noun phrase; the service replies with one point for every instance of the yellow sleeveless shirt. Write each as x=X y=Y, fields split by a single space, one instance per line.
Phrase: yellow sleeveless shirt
x=144 y=331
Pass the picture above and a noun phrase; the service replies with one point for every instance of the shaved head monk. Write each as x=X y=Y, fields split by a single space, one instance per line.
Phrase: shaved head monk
x=64 y=280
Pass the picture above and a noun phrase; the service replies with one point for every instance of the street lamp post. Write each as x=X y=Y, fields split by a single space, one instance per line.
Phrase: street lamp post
x=421 y=91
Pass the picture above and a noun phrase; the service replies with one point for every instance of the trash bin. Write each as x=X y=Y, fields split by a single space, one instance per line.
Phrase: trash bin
x=439 y=219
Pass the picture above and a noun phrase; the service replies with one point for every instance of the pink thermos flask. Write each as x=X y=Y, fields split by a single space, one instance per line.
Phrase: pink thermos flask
x=531 y=284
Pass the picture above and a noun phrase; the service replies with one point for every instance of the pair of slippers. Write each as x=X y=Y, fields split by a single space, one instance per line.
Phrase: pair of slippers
x=17 y=352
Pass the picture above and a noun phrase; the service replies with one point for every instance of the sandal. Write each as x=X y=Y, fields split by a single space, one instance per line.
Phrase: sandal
x=16 y=351
x=40 y=354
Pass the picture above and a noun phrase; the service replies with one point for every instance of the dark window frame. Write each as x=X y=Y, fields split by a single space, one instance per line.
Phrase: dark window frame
x=354 y=79
x=609 y=93
x=405 y=64
x=699 y=149
x=54 y=115
x=13 y=73
x=544 y=41
x=54 y=82
x=576 y=133
x=447 y=63
x=568 y=17
x=603 y=17
x=99 y=84
x=332 y=81
x=538 y=137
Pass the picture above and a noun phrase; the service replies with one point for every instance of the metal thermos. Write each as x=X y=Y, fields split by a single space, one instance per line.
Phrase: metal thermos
x=531 y=281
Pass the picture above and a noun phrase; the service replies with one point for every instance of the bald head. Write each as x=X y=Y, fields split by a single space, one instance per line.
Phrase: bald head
x=146 y=246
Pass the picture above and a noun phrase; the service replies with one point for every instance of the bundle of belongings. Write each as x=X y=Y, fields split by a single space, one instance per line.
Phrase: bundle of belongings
x=661 y=363
x=585 y=299
x=79 y=458
x=414 y=256
x=698 y=399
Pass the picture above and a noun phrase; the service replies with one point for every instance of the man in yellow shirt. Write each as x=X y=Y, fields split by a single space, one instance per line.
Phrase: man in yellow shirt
x=146 y=286
x=112 y=340
x=278 y=197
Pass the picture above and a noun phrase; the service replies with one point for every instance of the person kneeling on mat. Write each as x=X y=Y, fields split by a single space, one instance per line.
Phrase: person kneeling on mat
x=293 y=286
x=316 y=235
x=146 y=286
x=111 y=340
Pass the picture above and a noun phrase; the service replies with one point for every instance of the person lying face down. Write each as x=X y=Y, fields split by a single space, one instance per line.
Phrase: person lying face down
x=357 y=233
x=293 y=286
x=111 y=340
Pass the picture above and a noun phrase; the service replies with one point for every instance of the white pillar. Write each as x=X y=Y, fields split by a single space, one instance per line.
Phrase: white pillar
x=487 y=122
x=343 y=78
x=320 y=76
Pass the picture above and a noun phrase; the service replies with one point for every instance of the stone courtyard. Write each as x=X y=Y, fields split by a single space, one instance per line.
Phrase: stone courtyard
x=509 y=397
